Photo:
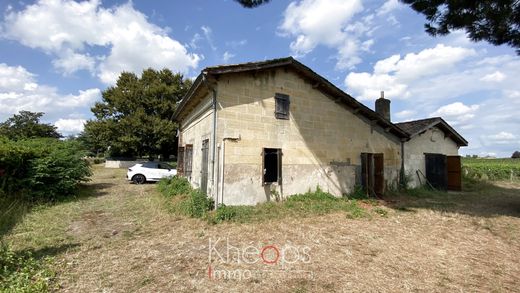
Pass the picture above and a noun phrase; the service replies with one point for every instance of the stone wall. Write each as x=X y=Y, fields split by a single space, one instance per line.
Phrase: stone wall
x=321 y=142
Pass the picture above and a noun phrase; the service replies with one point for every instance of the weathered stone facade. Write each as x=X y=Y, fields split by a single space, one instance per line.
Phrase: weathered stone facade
x=321 y=142
x=324 y=137
x=432 y=140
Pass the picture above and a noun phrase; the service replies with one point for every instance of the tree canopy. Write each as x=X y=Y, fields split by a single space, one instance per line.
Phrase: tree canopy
x=134 y=117
x=516 y=155
x=27 y=124
x=497 y=22
x=252 y=3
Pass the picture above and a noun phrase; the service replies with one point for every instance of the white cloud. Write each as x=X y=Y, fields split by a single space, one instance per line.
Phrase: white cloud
x=502 y=135
x=496 y=76
x=67 y=29
x=388 y=7
x=405 y=114
x=19 y=90
x=208 y=34
x=70 y=126
x=394 y=74
x=456 y=112
x=72 y=62
x=227 y=56
x=326 y=22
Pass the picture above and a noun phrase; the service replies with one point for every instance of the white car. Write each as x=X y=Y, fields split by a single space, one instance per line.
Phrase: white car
x=149 y=171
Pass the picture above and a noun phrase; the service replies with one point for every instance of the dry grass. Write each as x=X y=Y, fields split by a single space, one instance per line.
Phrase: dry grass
x=121 y=239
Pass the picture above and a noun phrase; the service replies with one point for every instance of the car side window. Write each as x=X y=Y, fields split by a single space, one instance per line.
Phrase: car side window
x=150 y=165
x=164 y=166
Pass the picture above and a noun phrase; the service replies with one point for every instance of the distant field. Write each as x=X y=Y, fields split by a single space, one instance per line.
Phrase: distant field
x=492 y=169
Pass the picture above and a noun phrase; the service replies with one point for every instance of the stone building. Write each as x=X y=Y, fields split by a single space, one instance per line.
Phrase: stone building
x=261 y=131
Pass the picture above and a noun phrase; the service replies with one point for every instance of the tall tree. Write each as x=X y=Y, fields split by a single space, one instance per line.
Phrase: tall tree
x=497 y=22
x=134 y=117
x=27 y=124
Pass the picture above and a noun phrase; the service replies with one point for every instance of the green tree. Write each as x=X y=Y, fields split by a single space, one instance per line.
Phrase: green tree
x=497 y=22
x=516 y=155
x=252 y=3
x=27 y=124
x=135 y=116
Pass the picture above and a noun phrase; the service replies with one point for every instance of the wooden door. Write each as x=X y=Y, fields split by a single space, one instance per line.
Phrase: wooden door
x=379 y=174
x=436 y=171
x=454 y=173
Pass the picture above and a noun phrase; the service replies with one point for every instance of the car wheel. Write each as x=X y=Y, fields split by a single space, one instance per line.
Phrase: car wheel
x=139 y=179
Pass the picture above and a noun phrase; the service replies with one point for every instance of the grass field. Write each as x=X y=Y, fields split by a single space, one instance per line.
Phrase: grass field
x=492 y=169
x=119 y=237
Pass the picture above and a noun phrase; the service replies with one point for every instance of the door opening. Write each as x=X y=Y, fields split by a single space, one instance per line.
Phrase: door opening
x=373 y=174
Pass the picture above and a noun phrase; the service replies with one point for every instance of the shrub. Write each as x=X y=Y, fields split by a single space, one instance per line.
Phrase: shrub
x=225 y=213
x=186 y=200
x=200 y=204
x=174 y=186
x=42 y=169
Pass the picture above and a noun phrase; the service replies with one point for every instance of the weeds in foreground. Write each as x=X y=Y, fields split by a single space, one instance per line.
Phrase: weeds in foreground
x=182 y=199
x=21 y=272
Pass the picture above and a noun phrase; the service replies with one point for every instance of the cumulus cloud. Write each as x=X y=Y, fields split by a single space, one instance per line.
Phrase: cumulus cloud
x=70 y=126
x=456 y=112
x=496 y=76
x=395 y=73
x=326 y=22
x=19 y=90
x=68 y=30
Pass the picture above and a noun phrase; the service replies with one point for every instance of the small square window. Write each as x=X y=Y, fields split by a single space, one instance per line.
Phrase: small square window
x=281 y=106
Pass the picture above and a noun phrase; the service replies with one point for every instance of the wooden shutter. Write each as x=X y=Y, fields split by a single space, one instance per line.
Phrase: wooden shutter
x=379 y=174
x=282 y=103
x=188 y=158
x=454 y=173
x=180 y=161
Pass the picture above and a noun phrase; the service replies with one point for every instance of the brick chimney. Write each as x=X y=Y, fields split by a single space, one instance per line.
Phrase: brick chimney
x=383 y=106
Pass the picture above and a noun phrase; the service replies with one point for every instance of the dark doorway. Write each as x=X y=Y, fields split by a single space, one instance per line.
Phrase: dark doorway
x=454 y=173
x=373 y=174
x=436 y=170
x=204 y=168
x=272 y=166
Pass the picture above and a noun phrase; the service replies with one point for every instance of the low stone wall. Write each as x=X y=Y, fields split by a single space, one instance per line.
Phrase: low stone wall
x=121 y=164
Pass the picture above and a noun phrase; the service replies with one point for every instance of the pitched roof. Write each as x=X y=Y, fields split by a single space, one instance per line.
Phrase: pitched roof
x=319 y=82
x=416 y=127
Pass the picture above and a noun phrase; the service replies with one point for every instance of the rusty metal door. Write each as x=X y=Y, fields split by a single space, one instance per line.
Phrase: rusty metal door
x=204 y=168
x=436 y=171
x=454 y=173
x=379 y=174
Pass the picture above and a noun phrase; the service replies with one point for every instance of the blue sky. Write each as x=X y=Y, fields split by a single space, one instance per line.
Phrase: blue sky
x=57 y=56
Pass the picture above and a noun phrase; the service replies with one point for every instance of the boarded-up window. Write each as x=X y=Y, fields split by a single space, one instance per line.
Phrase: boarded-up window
x=180 y=161
x=281 y=106
x=272 y=166
x=188 y=159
